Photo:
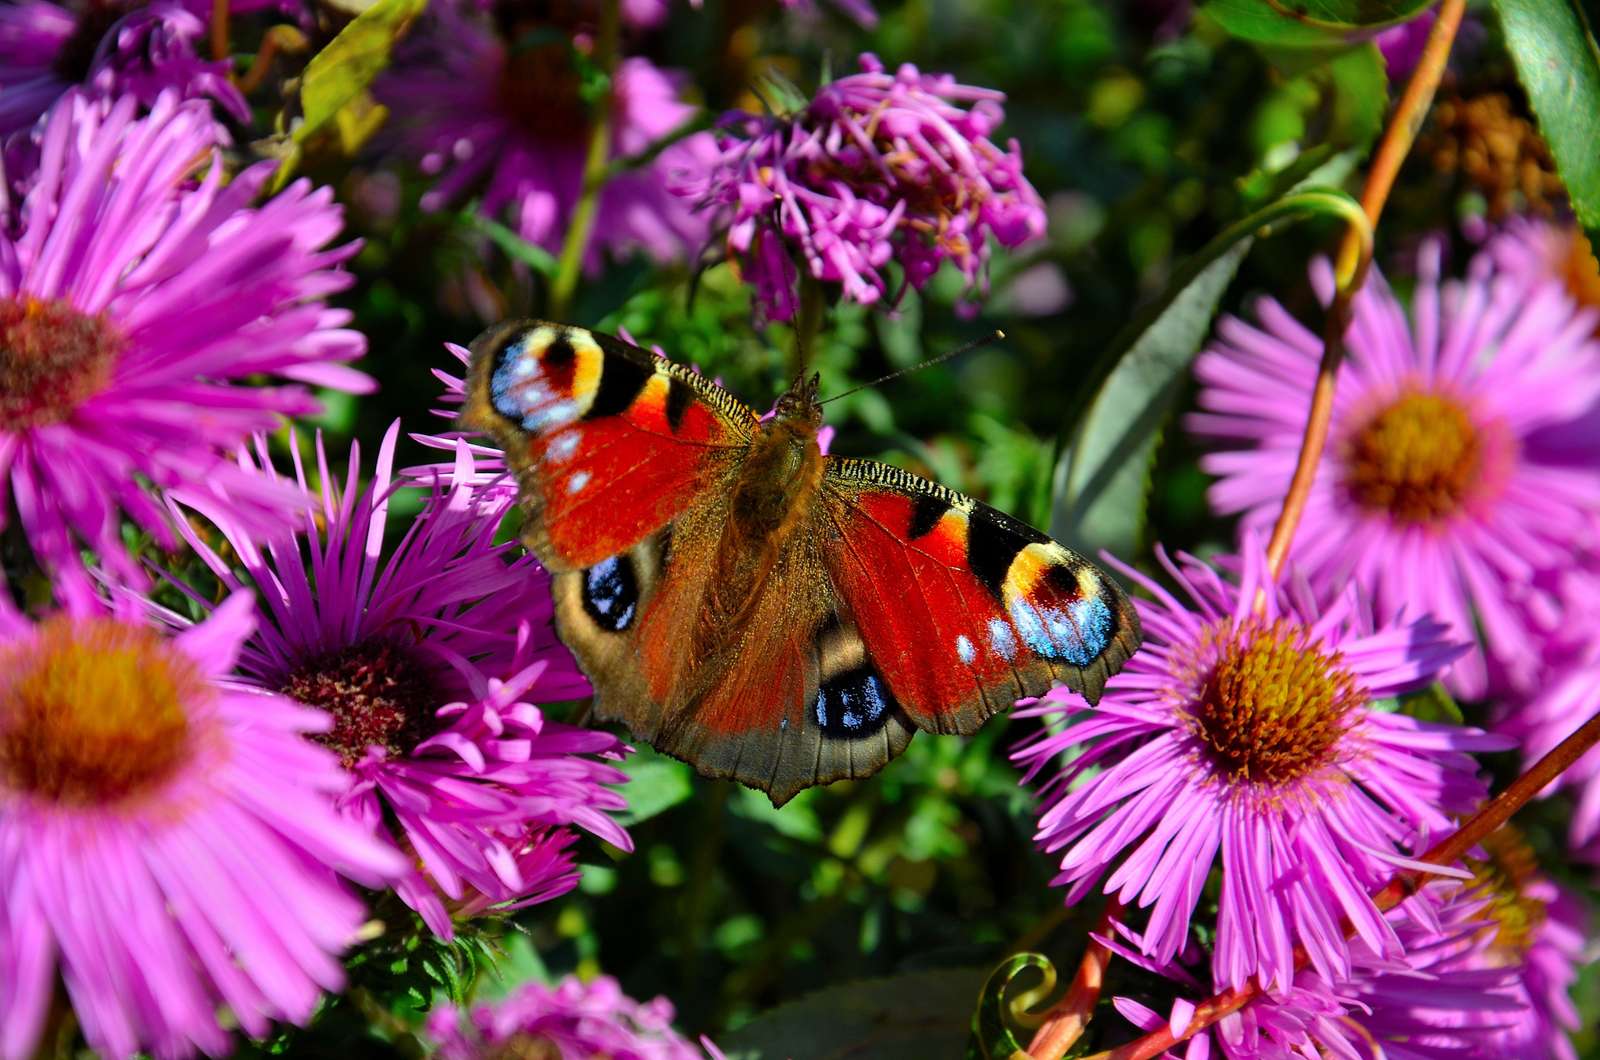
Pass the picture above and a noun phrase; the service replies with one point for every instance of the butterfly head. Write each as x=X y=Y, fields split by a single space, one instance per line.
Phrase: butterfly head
x=799 y=402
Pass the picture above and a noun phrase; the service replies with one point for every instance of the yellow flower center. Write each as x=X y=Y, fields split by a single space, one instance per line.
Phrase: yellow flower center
x=378 y=692
x=1500 y=881
x=1273 y=707
x=1419 y=459
x=52 y=359
x=93 y=711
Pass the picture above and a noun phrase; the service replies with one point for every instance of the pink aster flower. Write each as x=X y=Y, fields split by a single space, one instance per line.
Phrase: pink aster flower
x=424 y=657
x=168 y=840
x=481 y=110
x=1462 y=457
x=1261 y=736
x=878 y=167
x=573 y=1019
x=1538 y=250
x=133 y=302
x=112 y=49
x=1439 y=997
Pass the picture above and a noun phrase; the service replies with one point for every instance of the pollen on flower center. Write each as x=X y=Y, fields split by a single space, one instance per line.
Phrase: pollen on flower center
x=1501 y=881
x=52 y=358
x=94 y=711
x=1273 y=707
x=378 y=692
x=1419 y=459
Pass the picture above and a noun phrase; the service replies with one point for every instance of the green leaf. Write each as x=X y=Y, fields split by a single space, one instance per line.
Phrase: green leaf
x=342 y=71
x=1102 y=474
x=656 y=784
x=515 y=247
x=1360 y=95
x=993 y=1022
x=1433 y=703
x=1553 y=47
x=1296 y=22
x=922 y=1014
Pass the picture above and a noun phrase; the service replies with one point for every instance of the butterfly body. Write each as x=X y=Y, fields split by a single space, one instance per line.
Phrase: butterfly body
x=754 y=606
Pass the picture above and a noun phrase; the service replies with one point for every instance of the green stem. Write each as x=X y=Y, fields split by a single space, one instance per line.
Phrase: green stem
x=570 y=265
x=808 y=323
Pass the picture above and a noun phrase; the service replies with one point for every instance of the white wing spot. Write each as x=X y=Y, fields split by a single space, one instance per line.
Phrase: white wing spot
x=577 y=482
x=964 y=649
x=563 y=446
x=1001 y=639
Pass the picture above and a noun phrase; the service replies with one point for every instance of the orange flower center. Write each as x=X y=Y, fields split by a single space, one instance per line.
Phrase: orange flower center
x=1579 y=270
x=52 y=359
x=94 y=711
x=1273 y=707
x=378 y=692
x=1418 y=459
x=1500 y=880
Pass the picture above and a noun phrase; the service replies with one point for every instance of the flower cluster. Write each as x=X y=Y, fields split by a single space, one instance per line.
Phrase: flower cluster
x=878 y=167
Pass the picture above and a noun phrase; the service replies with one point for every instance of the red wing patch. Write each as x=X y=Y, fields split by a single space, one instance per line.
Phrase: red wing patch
x=610 y=443
x=962 y=609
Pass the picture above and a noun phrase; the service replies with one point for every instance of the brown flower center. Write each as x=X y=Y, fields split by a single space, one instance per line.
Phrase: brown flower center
x=539 y=85
x=1495 y=150
x=1579 y=270
x=1501 y=880
x=378 y=692
x=1273 y=707
x=52 y=359
x=94 y=711
x=1419 y=459
x=523 y=1046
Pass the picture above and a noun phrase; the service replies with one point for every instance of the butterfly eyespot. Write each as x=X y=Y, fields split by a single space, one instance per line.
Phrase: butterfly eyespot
x=853 y=704
x=611 y=593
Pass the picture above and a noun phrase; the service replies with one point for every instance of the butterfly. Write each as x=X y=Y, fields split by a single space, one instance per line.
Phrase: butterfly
x=753 y=606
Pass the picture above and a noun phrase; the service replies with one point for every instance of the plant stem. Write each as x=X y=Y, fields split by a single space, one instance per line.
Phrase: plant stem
x=1350 y=269
x=220 y=10
x=1065 y=1022
x=1449 y=850
x=808 y=322
x=570 y=265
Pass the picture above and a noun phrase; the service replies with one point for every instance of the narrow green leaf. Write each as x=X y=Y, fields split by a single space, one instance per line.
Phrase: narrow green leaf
x=515 y=247
x=994 y=1022
x=1553 y=46
x=1433 y=703
x=1302 y=22
x=348 y=65
x=1105 y=462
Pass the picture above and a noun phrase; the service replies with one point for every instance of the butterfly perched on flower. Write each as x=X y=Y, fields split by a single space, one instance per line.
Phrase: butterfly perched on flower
x=753 y=606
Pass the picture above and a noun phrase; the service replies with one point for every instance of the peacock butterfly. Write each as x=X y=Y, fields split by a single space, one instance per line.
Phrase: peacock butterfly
x=752 y=606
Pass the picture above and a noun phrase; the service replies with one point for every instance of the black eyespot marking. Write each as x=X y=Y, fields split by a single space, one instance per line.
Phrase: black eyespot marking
x=620 y=382
x=678 y=397
x=926 y=512
x=993 y=541
x=853 y=704
x=559 y=352
x=611 y=593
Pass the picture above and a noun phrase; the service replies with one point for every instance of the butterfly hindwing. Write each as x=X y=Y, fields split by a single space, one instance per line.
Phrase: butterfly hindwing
x=609 y=442
x=962 y=609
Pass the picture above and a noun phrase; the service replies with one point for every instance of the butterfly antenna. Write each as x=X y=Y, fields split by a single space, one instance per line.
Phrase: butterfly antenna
x=967 y=347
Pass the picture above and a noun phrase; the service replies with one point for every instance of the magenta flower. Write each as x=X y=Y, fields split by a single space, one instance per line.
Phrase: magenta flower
x=423 y=658
x=879 y=167
x=478 y=113
x=133 y=302
x=1439 y=997
x=1462 y=458
x=168 y=840
x=112 y=50
x=1537 y=251
x=1262 y=736
x=573 y=1019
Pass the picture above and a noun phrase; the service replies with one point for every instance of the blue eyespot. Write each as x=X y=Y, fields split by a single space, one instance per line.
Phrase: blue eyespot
x=1077 y=633
x=611 y=593
x=853 y=704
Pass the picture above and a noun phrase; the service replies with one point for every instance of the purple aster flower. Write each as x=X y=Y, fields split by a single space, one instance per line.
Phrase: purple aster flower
x=112 y=49
x=1539 y=250
x=168 y=840
x=1462 y=456
x=1260 y=734
x=1438 y=997
x=485 y=108
x=573 y=1019
x=133 y=301
x=879 y=167
x=1401 y=46
x=423 y=658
